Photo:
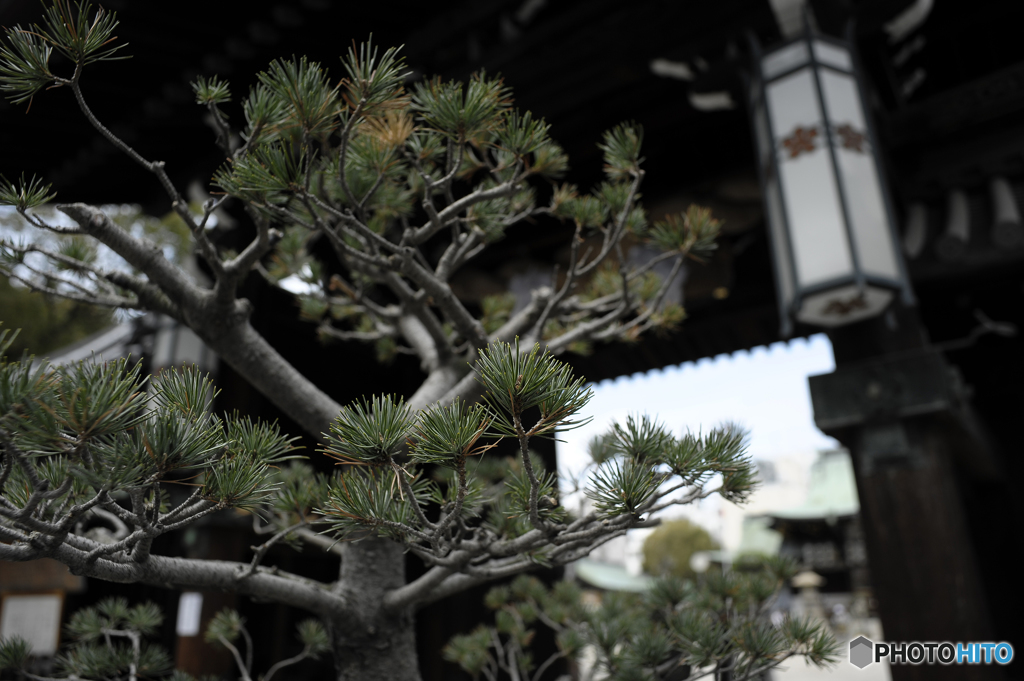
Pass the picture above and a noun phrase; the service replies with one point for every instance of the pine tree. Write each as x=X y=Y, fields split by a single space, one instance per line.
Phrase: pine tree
x=668 y=550
x=405 y=186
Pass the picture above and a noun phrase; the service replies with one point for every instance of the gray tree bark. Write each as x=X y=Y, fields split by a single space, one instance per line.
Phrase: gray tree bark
x=374 y=643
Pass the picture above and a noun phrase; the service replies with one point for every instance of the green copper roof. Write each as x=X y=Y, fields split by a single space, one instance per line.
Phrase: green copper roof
x=610 y=577
x=759 y=537
x=832 y=490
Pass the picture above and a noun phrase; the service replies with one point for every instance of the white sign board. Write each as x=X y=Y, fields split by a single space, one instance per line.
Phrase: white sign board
x=33 y=617
x=190 y=609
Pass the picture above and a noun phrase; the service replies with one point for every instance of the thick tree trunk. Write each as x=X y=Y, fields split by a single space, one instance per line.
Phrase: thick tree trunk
x=387 y=655
x=373 y=644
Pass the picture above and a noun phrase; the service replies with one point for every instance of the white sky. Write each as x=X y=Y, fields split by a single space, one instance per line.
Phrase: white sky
x=764 y=390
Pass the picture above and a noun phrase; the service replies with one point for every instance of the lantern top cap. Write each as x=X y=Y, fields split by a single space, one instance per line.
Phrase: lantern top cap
x=810 y=49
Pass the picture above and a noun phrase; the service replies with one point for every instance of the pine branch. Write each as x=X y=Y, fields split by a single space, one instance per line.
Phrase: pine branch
x=203 y=508
x=327 y=329
x=642 y=321
x=287 y=662
x=11 y=535
x=146 y=257
x=434 y=226
x=320 y=541
x=184 y=573
x=77 y=292
x=262 y=549
x=239 y=663
x=524 y=456
x=613 y=234
x=456 y=254
x=149 y=297
x=447 y=518
x=346 y=136
x=414 y=303
x=442 y=296
x=222 y=129
x=352 y=255
x=554 y=657
x=355 y=223
x=423 y=340
x=417 y=590
x=156 y=167
x=121 y=529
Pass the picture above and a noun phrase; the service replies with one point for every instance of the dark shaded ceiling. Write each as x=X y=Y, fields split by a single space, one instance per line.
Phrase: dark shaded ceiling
x=581 y=65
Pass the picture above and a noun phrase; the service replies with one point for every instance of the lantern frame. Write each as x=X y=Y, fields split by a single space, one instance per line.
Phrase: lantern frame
x=869 y=294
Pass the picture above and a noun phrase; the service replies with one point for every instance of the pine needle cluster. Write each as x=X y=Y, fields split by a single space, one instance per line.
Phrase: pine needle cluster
x=716 y=627
x=97 y=441
x=111 y=641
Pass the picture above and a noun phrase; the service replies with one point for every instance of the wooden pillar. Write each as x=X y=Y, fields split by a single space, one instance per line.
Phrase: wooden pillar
x=898 y=407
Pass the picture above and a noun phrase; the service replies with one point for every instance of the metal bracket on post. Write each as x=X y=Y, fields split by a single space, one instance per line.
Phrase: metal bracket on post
x=866 y=405
x=883 y=390
x=869 y=401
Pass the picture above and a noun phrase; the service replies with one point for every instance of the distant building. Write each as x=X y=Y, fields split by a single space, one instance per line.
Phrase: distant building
x=824 y=533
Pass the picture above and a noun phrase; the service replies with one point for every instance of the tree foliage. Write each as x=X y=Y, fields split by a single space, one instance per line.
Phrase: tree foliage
x=667 y=550
x=91 y=439
x=677 y=630
x=110 y=641
x=47 y=323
